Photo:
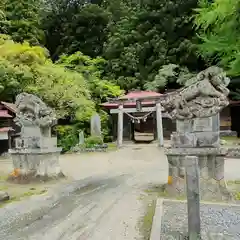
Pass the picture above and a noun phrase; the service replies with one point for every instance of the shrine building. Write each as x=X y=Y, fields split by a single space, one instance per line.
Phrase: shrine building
x=139 y=122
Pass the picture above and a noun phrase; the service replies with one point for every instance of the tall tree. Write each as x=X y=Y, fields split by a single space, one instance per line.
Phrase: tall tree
x=21 y=20
x=73 y=26
x=153 y=33
x=218 y=26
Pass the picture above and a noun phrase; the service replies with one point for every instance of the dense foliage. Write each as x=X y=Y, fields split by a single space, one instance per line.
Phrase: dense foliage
x=21 y=20
x=71 y=26
x=70 y=93
x=218 y=28
x=77 y=54
x=150 y=35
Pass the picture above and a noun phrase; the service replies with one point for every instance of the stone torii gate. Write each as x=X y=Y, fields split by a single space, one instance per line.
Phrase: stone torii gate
x=139 y=105
x=158 y=110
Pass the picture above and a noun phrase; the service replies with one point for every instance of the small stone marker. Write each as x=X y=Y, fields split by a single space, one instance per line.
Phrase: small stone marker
x=81 y=138
x=193 y=197
x=4 y=196
x=95 y=125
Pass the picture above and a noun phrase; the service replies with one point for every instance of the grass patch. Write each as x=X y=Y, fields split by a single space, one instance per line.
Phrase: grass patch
x=23 y=196
x=3 y=177
x=18 y=192
x=112 y=146
x=234 y=186
x=147 y=220
x=160 y=191
x=233 y=182
x=231 y=140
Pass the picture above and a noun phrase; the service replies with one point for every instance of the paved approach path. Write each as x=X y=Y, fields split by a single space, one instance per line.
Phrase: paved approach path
x=110 y=207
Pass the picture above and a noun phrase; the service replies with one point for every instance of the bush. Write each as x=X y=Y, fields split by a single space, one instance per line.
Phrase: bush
x=67 y=137
x=93 y=140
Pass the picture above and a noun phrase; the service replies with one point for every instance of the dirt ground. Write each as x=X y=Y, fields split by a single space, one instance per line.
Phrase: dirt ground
x=20 y=191
x=112 y=208
x=82 y=165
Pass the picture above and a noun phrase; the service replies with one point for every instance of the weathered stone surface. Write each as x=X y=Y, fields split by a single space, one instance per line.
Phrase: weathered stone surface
x=196 y=151
x=206 y=97
x=183 y=140
x=202 y=124
x=4 y=196
x=36 y=153
x=184 y=126
x=233 y=152
x=198 y=139
x=216 y=123
x=225 y=133
x=96 y=125
x=196 y=108
x=207 y=139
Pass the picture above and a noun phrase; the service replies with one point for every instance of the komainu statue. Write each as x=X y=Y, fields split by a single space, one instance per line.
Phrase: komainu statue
x=206 y=97
x=33 y=112
x=35 y=155
x=196 y=109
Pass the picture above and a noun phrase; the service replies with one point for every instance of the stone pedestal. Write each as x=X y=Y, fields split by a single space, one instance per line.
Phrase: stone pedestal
x=35 y=154
x=35 y=157
x=198 y=137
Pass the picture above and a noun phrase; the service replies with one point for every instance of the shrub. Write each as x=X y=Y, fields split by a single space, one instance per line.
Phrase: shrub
x=93 y=140
x=67 y=137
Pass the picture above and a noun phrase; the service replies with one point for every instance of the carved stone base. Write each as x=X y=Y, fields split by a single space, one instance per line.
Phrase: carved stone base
x=35 y=165
x=211 y=167
x=31 y=176
x=210 y=190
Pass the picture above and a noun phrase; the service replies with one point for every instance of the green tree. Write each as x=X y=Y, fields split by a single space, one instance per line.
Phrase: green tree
x=93 y=70
x=100 y=89
x=29 y=69
x=26 y=68
x=170 y=76
x=21 y=20
x=75 y=26
x=218 y=30
x=152 y=34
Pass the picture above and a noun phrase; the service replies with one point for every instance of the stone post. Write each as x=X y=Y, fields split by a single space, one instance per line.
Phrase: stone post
x=120 y=126
x=159 y=124
x=193 y=197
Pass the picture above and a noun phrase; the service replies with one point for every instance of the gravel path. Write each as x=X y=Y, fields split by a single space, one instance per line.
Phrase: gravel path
x=218 y=221
x=110 y=207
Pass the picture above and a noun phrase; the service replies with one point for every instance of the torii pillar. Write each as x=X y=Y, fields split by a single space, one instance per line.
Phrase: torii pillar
x=120 y=126
x=159 y=124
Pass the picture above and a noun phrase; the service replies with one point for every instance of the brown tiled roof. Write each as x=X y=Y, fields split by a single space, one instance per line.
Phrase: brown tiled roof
x=140 y=94
x=10 y=106
x=4 y=114
x=6 y=129
x=134 y=95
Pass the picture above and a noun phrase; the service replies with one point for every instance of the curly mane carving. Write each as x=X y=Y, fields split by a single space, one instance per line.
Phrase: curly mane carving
x=32 y=111
x=206 y=97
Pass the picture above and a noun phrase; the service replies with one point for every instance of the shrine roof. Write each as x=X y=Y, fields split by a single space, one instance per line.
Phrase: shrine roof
x=4 y=114
x=140 y=94
x=132 y=96
x=10 y=106
x=6 y=129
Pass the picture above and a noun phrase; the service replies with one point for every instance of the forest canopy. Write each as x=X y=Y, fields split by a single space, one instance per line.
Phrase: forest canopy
x=77 y=54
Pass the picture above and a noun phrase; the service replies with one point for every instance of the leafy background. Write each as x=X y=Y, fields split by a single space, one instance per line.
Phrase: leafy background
x=77 y=54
